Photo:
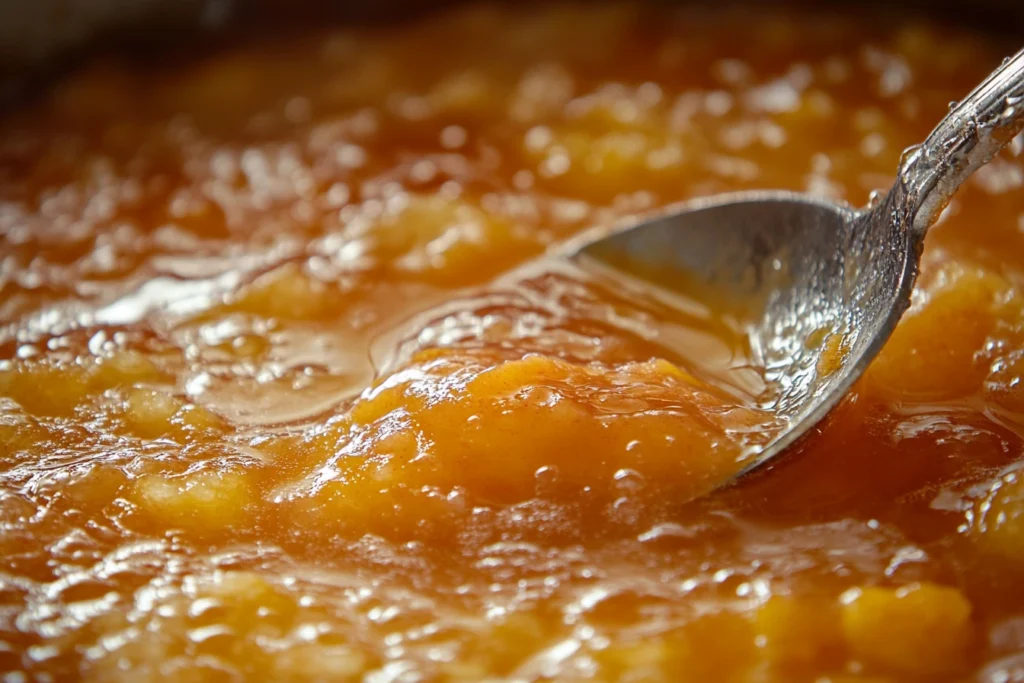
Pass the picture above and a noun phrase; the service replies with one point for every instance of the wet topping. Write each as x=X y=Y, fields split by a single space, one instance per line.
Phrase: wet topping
x=297 y=386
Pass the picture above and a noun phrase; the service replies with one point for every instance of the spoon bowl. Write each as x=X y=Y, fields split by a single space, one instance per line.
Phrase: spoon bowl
x=827 y=283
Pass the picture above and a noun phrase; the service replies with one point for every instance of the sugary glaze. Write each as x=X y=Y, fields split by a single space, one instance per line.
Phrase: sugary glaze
x=291 y=391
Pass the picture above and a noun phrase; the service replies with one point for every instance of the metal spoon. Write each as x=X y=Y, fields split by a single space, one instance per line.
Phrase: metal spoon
x=815 y=265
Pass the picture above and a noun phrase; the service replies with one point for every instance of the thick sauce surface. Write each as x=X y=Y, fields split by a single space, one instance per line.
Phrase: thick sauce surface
x=295 y=387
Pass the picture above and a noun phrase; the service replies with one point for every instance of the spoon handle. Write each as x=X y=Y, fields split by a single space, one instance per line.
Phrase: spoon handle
x=973 y=132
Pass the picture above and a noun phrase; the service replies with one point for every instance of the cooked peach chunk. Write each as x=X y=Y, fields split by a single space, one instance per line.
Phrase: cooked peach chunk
x=287 y=292
x=595 y=163
x=95 y=487
x=125 y=368
x=503 y=432
x=150 y=413
x=715 y=647
x=45 y=388
x=833 y=354
x=450 y=242
x=798 y=631
x=1005 y=383
x=931 y=354
x=18 y=432
x=503 y=644
x=319 y=662
x=226 y=624
x=50 y=387
x=205 y=501
x=997 y=520
x=919 y=630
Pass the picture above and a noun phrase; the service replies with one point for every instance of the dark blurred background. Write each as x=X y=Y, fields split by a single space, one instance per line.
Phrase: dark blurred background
x=38 y=37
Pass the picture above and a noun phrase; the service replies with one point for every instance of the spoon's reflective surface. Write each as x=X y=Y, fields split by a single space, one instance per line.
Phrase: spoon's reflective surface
x=812 y=265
